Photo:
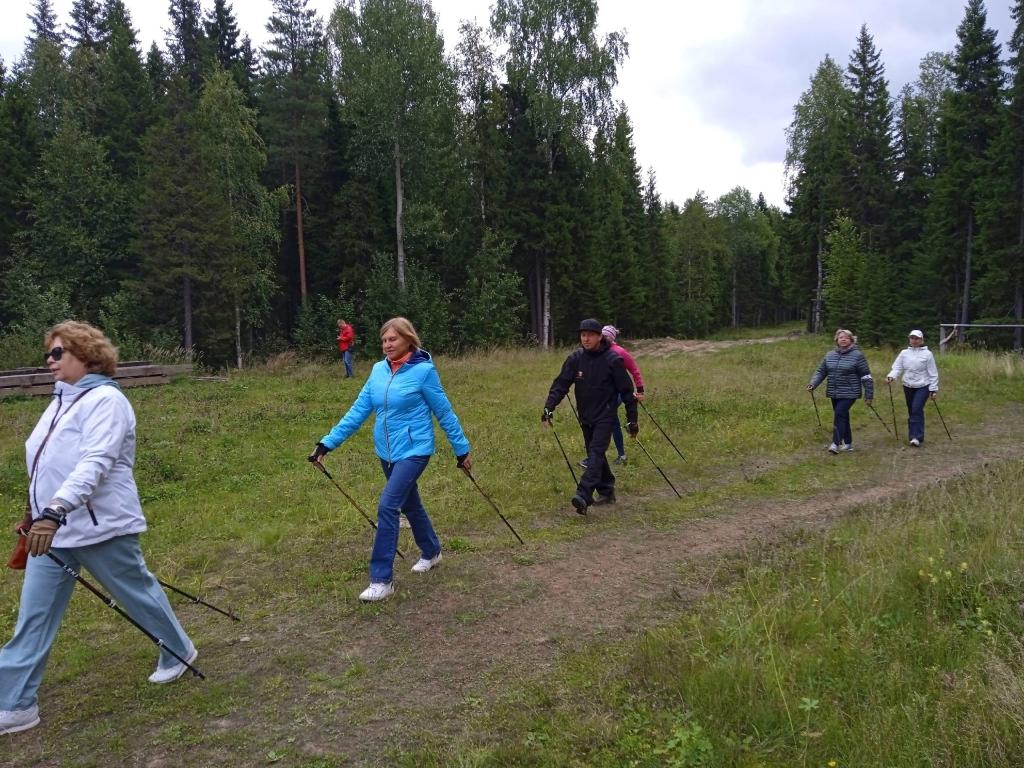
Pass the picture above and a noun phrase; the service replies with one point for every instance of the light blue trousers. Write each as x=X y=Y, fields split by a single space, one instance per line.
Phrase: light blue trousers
x=118 y=566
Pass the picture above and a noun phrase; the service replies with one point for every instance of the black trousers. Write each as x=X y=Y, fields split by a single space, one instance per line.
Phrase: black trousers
x=598 y=475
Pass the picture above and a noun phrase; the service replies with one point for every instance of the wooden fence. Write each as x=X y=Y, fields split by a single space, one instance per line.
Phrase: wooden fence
x=39 y=381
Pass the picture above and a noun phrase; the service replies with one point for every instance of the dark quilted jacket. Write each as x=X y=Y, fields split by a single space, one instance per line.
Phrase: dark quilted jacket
x=847 y=372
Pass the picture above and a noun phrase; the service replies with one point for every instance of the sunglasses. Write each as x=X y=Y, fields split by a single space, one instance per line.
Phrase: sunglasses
x=56 y=353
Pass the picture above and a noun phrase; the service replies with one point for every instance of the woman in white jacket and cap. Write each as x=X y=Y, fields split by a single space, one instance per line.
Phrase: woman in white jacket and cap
x=82 y=503
x=916 y=365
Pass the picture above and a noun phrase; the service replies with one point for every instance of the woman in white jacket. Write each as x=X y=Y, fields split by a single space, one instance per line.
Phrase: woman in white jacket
x=920 y=379
x=82 y=502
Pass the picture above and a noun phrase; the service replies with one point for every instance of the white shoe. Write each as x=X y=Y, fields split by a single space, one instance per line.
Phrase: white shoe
x=14 y=720
x=377 y=591
x=846 y=447
x=833 y=448
x=403 y=522
x=170 y=674
x=424 y=564
x=915 y=442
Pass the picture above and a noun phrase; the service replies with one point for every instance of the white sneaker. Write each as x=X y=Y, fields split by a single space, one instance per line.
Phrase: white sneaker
x=403 y=522
x=170 y=674
x=377 y=591
x=14 y=720
x=424 y=564
x=833 y=448
x=915 y=442
x=846 y=447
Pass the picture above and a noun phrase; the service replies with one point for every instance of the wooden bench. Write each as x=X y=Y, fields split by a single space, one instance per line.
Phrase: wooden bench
x=39 y=381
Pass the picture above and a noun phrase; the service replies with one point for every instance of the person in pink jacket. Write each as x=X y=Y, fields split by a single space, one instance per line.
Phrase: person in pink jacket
x=611 y=333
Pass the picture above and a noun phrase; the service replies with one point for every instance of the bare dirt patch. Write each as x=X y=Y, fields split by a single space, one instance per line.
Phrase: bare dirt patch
x=667 y=346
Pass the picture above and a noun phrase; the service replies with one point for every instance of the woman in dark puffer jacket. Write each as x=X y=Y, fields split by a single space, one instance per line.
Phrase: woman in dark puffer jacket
x=847 y=371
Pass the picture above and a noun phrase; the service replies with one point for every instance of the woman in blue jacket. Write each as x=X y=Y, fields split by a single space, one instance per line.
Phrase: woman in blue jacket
x=404 y=391
x=847 y=371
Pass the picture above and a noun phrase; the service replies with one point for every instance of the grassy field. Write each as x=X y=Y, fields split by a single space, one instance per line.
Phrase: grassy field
x=237 y=514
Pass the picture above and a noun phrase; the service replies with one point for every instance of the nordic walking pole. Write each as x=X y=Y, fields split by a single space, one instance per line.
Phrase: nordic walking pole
x=506 y=522
x=936 y=404
x=637 y=441
x=892 y=405
x=111 y=604
x=195 y=599
x=816 y=414
x=351 y=501
x=565 y=456
x=661 y=430
x=880 y=419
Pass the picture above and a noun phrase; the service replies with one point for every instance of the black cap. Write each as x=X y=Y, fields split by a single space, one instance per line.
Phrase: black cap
x=590 y=324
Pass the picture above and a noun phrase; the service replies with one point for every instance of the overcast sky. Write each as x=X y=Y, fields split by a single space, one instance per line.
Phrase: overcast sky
x=710 y=86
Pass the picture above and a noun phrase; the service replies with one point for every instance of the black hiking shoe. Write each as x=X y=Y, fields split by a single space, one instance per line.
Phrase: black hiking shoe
x=580 y=504
x=603 y=500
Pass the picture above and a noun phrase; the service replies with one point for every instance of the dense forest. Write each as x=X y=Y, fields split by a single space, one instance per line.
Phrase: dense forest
x=209 y=196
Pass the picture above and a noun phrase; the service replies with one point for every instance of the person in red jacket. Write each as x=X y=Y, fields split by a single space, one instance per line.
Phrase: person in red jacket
x=346 y=340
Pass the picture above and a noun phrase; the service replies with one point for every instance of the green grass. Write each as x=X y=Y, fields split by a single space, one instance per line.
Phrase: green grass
x=237 y=515
x=895 y=640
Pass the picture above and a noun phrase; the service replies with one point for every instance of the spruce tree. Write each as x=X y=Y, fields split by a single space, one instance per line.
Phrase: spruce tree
x=293 y=102
x=969 y=123
x=873 y=178
x=1001 y=212
x=817 y=166
x=86 y=29
x=560 y=75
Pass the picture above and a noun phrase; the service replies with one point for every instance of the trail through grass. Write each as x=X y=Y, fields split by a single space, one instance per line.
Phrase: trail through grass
x=314 y=678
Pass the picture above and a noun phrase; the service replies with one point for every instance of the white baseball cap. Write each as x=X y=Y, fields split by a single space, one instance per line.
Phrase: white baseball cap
x=917 y=333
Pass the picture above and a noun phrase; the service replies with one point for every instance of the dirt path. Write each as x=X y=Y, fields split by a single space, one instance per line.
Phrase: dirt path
x=488 y=617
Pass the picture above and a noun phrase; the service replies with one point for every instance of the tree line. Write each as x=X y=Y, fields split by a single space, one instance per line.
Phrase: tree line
x=215 y=197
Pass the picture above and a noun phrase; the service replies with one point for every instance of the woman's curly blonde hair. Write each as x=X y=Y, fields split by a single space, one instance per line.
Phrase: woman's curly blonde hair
x=86 y=342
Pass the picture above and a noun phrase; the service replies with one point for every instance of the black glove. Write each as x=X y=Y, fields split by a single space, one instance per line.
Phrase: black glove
x=548 y=415
x=633 y=428
x=460 y=459
x=319 y=451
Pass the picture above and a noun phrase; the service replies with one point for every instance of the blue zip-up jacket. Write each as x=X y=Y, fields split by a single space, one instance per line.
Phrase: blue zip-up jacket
x=847 y=371
x=403 y=401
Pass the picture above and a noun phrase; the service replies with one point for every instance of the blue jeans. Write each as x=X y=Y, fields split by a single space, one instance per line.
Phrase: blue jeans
x=346 y=358
x=917 y=399
x=118 y=566
x=841 y=432
x=400 y=494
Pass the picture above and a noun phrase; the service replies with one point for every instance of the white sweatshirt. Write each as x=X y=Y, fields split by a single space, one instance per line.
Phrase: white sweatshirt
x=918 y=368
x=87 y=462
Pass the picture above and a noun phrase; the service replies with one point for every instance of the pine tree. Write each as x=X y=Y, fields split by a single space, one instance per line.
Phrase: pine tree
x=180 y=218
x=45 y=69
x=560 y=76
x=1001 y=212
x=86 y=30
x=240 y=257
x=123 y=98
x=873 y=177
x=697 y=240
x=969 y=120
x=186 y=42
x=294 y=104
x=656 y=273
x=399 y=93
x=817 y=166
x=77 y=214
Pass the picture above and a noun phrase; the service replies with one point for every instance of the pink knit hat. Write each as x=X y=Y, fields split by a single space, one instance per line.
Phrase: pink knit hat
x=610 y=332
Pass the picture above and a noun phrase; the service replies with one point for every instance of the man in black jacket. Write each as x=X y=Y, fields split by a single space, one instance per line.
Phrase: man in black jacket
x=599 y=377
